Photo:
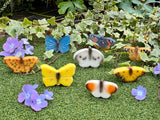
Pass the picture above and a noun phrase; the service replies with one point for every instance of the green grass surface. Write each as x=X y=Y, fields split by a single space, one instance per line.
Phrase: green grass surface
x=75 y=102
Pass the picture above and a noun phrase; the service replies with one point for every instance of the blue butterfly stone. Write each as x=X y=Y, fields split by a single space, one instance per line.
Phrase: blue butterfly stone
x=61 y=45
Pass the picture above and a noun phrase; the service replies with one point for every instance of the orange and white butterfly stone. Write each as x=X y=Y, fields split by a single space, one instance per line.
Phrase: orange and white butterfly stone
x=101 y=88
x=19 y=65
x=129 y=74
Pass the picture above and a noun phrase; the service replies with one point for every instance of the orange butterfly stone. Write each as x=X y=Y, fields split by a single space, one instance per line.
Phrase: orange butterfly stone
x=134 y=52
x=19 y=65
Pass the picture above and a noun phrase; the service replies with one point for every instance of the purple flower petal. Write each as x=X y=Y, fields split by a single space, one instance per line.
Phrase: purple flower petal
x=28 y=102
x=35 y=107
x=25 y=41
x=48 y=95
x=140 y=97
x=4 y=53
x=21 y=97
x=134 y=92
x=44 y=104
x=38 y=101
x=157 y=69
x=19 y=52
x=139 y=93
x=10 y=44
x=29 y=49
x=20 y=46
x=28 y=90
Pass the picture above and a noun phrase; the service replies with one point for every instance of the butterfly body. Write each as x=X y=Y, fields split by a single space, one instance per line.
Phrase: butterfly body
x=134 y=52
x=62 y=76
x=129 y=74
x=19 y=65
x=61 y=45
x=89 y=57
x=103 y=42
x=101 y=88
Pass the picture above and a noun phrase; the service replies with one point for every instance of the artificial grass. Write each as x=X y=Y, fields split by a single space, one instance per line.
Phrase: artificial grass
x=75 y=102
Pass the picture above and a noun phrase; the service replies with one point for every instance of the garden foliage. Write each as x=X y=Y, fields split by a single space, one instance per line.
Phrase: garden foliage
x=105 y=20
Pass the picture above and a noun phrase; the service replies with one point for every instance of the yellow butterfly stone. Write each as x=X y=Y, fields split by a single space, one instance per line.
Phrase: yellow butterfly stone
x=129 y=74
x=62 y=76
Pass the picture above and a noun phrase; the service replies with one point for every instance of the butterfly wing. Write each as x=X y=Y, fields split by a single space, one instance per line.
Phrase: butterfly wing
x=103 y=42
x=89 y=57
x=51 y=43
x=14 y=63
x=49 y=75
x=29 y=62
x=145 y=50
x=129 y=74
x=100 y=88
x=66 y=73
x=108 y=89
x=134 y=52
x=64 y=44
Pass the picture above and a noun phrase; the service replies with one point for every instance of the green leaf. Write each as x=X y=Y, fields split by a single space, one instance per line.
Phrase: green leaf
x=137 y=2
x=126 y=6
x=52 y=21
x=4 y=20
x=40 y=35
x=78 y=3
x=38 y=64
x=88 y=15
x=111 y=72
x=109 y=58
x=119 y=45
x=148 y=8
x=144 y=56
x=67 y=30
x=26 y=22
x=43 y=22
x=152 y=1
x=155 y=52
x=124 y=63
x=48 y=54
x=116 y=35
x=63 y=6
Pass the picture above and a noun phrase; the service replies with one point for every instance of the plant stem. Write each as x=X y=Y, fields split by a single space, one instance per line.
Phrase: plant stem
x=37 y=70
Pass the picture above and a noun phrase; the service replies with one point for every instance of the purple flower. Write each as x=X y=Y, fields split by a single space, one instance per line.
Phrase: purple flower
x=29 y=49
x=139 y=93
x=19 y=52
x=10 y=44
x=4 y=53
x=20 y=45
x=48 y=95
x=38 y=101
x=157 y=69
x=28 y=90
x=25 y=41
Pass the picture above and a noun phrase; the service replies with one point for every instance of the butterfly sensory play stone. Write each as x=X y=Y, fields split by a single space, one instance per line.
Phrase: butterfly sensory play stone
x=19 y=65
x=103 y=42
x=129 y=74
x=61 y=45
x=89 y=57
x=62 y=76
x=101 y=88
x=134 y=52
